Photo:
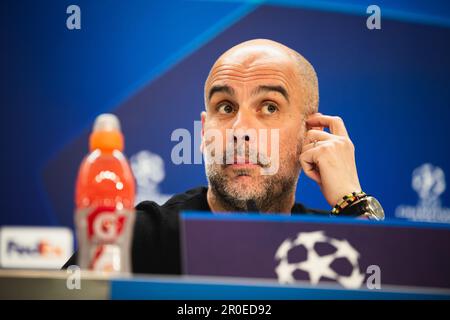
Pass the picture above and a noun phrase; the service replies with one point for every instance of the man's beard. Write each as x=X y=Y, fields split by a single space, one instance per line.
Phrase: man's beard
x=269 y=193
x=273 y=191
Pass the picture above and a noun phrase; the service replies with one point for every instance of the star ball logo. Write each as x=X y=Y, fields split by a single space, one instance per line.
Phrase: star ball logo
x=319 y=265
x=429 y=183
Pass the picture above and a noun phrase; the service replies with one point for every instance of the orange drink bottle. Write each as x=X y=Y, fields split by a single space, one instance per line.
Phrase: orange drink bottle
x=104 y=201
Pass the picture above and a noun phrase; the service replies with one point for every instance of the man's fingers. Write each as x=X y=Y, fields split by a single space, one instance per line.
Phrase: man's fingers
x=335 y=124
x=308 y=146
x=315 y=128
x=316 y=135
x=309 y=166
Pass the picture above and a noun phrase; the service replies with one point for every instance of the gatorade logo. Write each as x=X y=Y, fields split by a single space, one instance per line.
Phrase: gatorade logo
x=105 y=224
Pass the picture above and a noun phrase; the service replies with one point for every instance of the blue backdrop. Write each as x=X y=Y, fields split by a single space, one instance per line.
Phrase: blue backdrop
x=146 y=61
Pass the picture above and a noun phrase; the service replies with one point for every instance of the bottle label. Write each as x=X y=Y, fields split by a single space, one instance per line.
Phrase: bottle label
x=104 y=238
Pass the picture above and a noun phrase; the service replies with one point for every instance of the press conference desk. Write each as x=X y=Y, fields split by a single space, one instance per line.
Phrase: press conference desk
x=17 y=284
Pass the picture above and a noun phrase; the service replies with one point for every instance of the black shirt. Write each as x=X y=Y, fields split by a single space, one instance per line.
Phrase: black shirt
x=156 y=238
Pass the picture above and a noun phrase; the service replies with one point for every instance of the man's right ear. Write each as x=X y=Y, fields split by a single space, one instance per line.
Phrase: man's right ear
x=203 y=119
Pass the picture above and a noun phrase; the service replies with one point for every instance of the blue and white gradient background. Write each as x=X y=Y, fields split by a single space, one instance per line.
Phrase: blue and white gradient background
x=146 y=61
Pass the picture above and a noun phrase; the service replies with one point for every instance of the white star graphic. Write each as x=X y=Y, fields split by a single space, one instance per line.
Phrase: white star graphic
x=308 y=239
x=344 y=249
x=283 y=249
x=354 y=281
x=285 y=272
x=317 y=267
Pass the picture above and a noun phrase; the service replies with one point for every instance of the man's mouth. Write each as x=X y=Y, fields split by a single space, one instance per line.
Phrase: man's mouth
x=238 y=166
x=243 y=163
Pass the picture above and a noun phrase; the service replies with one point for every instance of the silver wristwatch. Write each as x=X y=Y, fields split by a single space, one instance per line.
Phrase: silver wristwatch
x=368 y=207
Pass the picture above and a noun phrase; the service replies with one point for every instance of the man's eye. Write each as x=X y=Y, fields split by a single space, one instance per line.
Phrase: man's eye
x=225 y=108
x=269 y=108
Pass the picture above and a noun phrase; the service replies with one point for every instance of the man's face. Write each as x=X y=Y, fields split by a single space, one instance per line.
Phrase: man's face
x=254 y=91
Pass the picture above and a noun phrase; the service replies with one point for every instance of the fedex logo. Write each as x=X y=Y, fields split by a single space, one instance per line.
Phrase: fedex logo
x=41 y=248
x=35 y=247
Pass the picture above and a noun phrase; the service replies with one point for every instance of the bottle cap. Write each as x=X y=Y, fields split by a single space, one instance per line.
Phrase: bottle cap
x=106 y=122
x=106 y=134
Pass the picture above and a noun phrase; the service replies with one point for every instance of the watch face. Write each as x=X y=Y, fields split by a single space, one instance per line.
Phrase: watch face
x=374 y=209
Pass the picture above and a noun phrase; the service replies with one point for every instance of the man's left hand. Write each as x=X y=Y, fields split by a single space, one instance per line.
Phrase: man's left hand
x=329 y=158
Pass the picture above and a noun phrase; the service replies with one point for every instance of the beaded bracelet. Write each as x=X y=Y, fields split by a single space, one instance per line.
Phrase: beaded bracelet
x=348 y=200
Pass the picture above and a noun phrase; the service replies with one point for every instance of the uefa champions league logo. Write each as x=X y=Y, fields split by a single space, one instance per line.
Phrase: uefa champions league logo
x=318 y=266
x=429 y=183
x=148 y=169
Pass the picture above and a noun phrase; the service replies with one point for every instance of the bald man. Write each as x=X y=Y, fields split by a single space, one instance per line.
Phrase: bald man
x=258 y=85
x=262 y=84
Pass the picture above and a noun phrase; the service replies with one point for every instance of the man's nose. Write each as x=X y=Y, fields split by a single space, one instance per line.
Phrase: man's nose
x=243 y=124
